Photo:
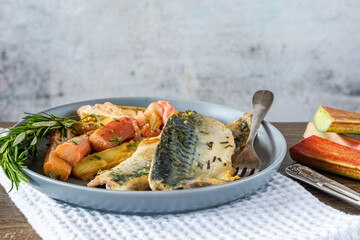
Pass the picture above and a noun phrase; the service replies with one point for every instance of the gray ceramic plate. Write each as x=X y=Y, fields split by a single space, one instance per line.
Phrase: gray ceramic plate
x=270 y=145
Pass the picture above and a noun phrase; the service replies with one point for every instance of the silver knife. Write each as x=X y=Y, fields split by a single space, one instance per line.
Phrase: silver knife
x=323 y=183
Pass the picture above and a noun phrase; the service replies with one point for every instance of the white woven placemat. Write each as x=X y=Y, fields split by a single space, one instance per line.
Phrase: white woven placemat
x=282 y=209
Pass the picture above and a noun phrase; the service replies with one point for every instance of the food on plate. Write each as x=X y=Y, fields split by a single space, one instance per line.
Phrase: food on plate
x=115 y=132
x=194 y=150
x=74 y=149
x=157 y=113
x=326 y=155
x=90 y=165
x=130 y=148
x=335 y=120
x=106 y=110
x=335 y=137
x=206 y=136
x=241 y=130
x=54 y=166
x=131 y=174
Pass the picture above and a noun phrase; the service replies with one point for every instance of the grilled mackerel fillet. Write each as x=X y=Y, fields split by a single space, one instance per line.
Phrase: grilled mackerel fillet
x=194 y=150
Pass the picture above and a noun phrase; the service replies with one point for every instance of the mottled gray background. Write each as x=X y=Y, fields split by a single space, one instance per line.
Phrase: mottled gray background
x=55 y=52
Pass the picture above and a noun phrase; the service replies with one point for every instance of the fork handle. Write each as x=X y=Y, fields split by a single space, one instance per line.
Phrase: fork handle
x=319 y=181
x=262 y=101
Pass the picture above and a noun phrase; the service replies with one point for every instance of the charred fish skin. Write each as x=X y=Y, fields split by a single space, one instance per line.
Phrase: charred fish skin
x=175 y=153
x=185 y=154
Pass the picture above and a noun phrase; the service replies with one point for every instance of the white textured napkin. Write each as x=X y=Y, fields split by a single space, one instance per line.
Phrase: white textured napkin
x=282 y=209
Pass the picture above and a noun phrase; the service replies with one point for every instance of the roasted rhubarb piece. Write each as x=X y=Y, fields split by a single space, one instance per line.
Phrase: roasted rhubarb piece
x=335 y=120
x=326 y=155
x=335 y=137
x=54 y=166
x=73 y=150
x=115 y=132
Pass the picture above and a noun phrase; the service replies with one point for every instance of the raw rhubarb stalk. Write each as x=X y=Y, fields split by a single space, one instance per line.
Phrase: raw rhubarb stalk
x=335 y=120
x=335 y=137
x=326 y=155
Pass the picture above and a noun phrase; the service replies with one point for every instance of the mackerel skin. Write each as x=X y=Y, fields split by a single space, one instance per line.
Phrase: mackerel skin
x=194 y=150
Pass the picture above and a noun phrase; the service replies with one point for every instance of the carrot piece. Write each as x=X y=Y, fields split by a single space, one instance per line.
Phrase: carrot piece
x=114 y=132
x=73 y=150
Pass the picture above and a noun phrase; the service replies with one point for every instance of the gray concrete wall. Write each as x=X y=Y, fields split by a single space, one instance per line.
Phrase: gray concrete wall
x=56 y=52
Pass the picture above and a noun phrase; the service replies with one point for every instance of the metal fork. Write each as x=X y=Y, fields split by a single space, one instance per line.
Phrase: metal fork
x=247 y=162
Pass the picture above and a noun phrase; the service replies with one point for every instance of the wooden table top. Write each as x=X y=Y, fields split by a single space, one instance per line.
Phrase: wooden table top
x=13 y=224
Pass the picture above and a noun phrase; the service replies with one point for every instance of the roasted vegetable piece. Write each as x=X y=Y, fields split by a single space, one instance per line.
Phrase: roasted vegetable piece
x=326 y=155
x=106 y=110
x=54 y=166
x=157 y=113
x=73 y=150
x=90 y=165
x=335 y=120
x=114 y=133
x=335 y=137
x=85 y=127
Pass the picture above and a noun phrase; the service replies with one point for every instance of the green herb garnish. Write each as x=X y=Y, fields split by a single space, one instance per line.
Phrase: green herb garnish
x=180 y=136
x=24 y=139
x=51 y=175
x=112 y=131
x=200 y=165
x=131 y=145
x=74 y=141
x=117 y=139
x=144 y=171
x=91 y=115
x=115 y=177
x=96 y=157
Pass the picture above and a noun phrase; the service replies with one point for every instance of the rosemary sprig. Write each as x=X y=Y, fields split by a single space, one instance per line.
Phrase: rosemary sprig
x=24 y=140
